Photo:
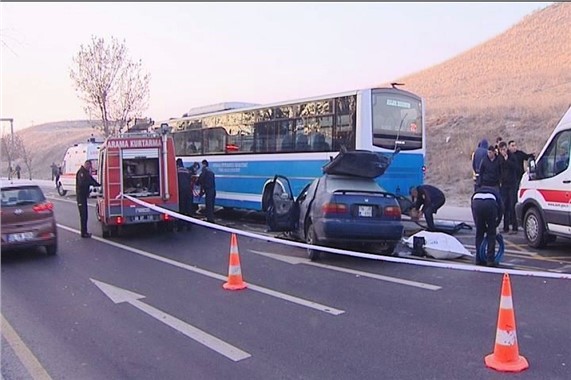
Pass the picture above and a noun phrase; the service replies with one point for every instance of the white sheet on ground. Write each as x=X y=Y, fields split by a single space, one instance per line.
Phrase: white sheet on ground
x=440 y=245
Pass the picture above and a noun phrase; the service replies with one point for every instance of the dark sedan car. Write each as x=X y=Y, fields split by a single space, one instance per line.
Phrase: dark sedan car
x=337 y=210
x=27 y=218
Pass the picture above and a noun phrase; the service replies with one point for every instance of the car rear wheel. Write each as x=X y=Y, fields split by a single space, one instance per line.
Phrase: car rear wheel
x=534 y=229
x=387 y=249
x=311 y=238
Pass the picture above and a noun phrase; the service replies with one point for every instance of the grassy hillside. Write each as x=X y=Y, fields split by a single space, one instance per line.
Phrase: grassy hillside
x=516 y=85
x=48 y=143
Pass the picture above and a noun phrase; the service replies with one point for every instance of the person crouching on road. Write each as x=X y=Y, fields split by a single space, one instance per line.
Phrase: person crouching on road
x=487 y=213
x=83 y=180
x=430 y=199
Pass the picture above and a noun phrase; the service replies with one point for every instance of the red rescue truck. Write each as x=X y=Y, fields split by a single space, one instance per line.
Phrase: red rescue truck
x=142 y=166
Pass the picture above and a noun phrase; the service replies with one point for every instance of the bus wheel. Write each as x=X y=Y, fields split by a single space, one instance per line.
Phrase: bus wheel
x=311 y=238
x=534 y=229
x=60 y=190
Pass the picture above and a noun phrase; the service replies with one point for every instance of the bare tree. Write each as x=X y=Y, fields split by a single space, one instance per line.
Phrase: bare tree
x=109 y=83
x=13 y=148
x=9 y=151
x=25 y=153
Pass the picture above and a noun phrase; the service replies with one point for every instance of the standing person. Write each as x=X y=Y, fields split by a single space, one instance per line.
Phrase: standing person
x=54 y=168
x=487 y=214
x=430 y=199
x=490 y=170
x=499 y=139
x=207 y=183
x=508 y=187
x=194 y=169
x=18 y=169
x=83 y=180
x=184 y=193
x=477 y=157
x=520 y=157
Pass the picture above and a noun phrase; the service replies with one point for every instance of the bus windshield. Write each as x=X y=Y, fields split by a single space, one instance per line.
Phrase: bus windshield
x=397 y=120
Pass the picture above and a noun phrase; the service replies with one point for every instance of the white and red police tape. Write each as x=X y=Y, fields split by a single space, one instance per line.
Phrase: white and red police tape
x=458 y=266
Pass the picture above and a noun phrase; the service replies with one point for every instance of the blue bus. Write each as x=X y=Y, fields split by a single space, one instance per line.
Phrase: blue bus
x=247 y=145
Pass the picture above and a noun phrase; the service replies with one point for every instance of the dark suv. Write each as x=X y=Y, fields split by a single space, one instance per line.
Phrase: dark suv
x=28 y=219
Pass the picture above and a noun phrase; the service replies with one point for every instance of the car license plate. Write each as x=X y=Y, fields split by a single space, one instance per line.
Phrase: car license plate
x=366 y=211
x=22 y=236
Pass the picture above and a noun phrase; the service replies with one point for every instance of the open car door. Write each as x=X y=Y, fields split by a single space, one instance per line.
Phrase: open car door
x=283 y=211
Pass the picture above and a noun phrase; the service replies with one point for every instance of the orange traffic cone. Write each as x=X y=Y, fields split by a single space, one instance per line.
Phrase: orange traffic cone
x=235 y=281
x=506 y=356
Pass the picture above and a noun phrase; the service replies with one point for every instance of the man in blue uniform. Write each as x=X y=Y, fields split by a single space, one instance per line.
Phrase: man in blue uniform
x=487 y=213
x=83 y=180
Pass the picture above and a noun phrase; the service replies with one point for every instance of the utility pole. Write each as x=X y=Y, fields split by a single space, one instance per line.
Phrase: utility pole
x=11 y=128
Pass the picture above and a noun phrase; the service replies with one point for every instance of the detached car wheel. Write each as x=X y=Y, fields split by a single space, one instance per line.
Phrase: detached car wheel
x=534 y=229
x=311 y=238
x=60 y=190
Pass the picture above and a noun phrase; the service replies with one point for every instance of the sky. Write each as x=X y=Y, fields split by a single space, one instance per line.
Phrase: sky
x=205 y=53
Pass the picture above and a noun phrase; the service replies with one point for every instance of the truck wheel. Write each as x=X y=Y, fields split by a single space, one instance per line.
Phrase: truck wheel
x=60 y=190
x=534 y=229
x=51 y=249
x=105 y=231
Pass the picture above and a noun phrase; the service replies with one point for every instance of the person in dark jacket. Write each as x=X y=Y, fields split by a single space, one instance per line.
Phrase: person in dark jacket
x=194 y=169
x=430 y=199
x=487 y=213
x=479 y=154
x=184 y=194
x=509 y=183
x=520 y=157
x=83 y=180
x=207 y=182
x=490 y=171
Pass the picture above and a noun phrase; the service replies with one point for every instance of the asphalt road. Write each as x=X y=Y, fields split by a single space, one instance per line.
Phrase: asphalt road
x=74 y=316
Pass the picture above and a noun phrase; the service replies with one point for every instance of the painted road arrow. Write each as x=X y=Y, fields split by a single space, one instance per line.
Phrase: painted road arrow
x=119 y=295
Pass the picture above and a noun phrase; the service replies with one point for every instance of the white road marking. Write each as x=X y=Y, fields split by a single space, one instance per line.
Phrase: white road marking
x=29 y=361
x=119 y=295
x=286 y=297
x=297 y=260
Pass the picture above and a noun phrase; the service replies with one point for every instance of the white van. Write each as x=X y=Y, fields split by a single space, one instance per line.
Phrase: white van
x=73 y=158
x=543 y=206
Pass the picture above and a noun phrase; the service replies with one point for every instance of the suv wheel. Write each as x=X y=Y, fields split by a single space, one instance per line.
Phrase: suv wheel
x=534 y=229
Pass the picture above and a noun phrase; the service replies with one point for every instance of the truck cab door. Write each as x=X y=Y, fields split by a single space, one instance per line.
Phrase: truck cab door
x=283 y=211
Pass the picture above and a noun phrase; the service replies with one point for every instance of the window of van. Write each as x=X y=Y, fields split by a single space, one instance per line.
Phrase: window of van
x=555 y=160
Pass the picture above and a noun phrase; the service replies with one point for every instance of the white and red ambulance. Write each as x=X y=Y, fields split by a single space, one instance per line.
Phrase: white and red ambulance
x=544 y=198
x=73 y=158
